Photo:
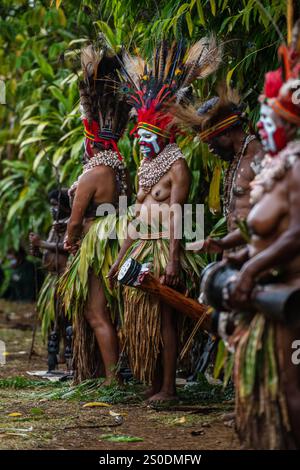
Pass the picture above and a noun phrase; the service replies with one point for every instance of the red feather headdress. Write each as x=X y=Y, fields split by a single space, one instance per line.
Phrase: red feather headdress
x=151 y=89
x=105 y=111
x=281 y=84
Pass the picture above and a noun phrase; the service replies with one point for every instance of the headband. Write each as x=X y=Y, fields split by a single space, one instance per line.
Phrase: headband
x=219 y=127
x=152 y=128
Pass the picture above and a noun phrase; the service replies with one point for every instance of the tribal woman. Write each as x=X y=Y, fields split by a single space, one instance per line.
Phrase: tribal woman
x=267 y=379
x=94 y=223
x=150 y=326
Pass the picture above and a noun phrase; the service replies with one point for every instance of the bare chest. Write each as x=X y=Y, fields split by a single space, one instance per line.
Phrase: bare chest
x=159 y=193
x=270 y=214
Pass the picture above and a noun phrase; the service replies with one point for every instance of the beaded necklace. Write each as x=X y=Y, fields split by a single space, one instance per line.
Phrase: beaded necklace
x=231 y=173
x=108 y=158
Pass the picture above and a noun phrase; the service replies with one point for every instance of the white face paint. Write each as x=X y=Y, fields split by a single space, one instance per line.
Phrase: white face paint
x=148 y=142
x=267 y=129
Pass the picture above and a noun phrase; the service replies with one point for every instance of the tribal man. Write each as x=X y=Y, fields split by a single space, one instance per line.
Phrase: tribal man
x=220 y=123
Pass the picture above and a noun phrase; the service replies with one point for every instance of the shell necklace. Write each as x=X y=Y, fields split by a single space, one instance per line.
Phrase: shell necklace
x=152 y=170
x=107 y=158
x=231 y=173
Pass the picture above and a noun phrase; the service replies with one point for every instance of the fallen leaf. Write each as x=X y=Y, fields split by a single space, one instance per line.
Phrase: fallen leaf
x=15 y=414
x=120 y=438
x=16 y=429
x=93 y=404
x=36 y=411
x=181 y=420
x=15 y=434
x=113 y=413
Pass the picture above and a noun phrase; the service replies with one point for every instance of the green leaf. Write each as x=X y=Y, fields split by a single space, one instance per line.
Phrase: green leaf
x=36 y=411
x=189 y=23
x=57 y=93
x=182 y=9
x=200 y=12
x=45 y=67
x=213 y=7
x=108 y=32
x=31 y=140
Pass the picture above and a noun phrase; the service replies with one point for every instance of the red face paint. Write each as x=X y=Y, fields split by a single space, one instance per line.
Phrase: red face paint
x=273 y=136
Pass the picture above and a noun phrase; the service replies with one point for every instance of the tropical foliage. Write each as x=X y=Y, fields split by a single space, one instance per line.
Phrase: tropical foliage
x=40 y=133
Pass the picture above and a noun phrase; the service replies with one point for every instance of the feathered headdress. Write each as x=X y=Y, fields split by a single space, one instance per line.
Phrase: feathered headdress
x=105 y=110
x=281 y=84
x=151 y=89
x=212 y=117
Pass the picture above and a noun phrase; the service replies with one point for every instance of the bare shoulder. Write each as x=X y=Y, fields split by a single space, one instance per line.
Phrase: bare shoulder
x=96 y=173
x=180 y=168
x=254 y=149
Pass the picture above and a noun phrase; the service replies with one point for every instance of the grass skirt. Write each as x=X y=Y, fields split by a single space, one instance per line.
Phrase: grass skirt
x=262 y=420
x=97 y=253
x=142 y=312
x=46 y=304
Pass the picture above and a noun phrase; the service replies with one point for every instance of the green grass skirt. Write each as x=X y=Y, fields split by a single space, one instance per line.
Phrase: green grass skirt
x=142 y=312
x=262 y=420
x=46 y=304
x=97 y=253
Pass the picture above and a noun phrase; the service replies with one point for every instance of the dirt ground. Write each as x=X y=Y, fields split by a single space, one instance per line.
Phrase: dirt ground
x=44 y=423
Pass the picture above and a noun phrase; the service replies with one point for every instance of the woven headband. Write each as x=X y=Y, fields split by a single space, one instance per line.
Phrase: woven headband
x=104 y=135
x=219 y=127
x=152 y=128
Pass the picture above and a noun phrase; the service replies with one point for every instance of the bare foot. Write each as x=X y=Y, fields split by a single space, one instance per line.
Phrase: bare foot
x=110 y=381
x=151 y=391
x=148 y=393
x=163 y=397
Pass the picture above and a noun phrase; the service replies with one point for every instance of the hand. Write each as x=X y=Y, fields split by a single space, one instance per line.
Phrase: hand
x=210 y=245
x=35 y=240
x=237 y=258
x=171 y=275
x=112 y=274
x=243 y=287
x=71 y=248
x=213 y=245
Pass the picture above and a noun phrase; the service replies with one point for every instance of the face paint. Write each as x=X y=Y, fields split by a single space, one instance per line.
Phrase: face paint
x=272 y=134
x=149 y=143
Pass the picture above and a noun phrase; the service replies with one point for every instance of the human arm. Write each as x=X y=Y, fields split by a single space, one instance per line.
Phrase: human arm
x=84 y=193
x=53 y=246
x=180 y=186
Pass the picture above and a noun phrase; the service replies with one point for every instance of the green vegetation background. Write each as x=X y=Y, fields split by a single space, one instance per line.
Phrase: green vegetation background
x=40 y=125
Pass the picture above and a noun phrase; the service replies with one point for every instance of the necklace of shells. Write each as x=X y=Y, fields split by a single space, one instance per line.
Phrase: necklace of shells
x=107 y=158
x=231 y=173
x=152 y=170
x=273 y=169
